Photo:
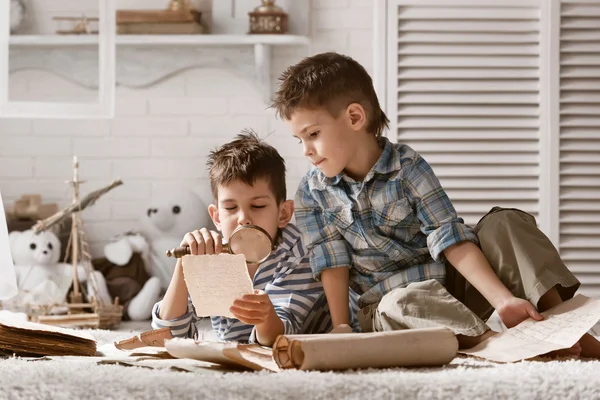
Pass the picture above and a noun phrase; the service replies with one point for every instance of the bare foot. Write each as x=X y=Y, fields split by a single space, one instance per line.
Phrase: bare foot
x=590 y=346
x=466 y=342
x=574 y=351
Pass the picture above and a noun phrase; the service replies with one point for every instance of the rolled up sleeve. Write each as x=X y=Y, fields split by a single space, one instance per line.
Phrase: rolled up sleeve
x=439 y=220
x=326 y=246
x=180 y=327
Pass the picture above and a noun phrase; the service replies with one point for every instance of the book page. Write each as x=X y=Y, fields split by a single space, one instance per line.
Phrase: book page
x=44 y=329
x=8 y=283
x=215 y=281
x=228 y=354
x=561 y=328
x=206 y=351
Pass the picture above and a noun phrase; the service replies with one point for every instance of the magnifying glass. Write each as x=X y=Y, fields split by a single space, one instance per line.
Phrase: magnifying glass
x=250 y=240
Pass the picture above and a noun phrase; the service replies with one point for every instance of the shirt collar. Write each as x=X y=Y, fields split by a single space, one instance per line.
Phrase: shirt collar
x=388 y=161
x=286 y=238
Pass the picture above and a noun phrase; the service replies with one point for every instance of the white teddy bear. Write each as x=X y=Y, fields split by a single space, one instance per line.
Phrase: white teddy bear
x=164 y=223
x=41 y=278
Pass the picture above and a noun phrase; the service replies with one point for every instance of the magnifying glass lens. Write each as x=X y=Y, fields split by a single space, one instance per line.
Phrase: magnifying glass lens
x=255 y=244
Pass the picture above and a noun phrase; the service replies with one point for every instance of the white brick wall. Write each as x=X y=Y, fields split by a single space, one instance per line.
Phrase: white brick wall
x=161 y=134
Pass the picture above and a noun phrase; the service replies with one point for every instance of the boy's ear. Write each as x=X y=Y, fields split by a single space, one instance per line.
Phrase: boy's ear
x=357 y=117
x=213 y=211
x=286 y=211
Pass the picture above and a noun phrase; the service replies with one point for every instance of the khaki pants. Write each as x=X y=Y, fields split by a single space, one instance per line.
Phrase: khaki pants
x=519 y=253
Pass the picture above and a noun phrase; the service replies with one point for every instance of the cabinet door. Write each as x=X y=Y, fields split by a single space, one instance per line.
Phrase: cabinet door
x=462 y=83
x=578 y=160
x=40 y=64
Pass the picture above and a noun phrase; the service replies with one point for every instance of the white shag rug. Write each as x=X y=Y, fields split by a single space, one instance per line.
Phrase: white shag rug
x=464 y=378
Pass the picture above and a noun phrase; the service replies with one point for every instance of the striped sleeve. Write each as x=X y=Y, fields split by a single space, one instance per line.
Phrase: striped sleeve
x=184 y=326
x=231 y=329
x=289 y=283
x=354 y=310
x=187 y=325
x=293 y=293
x=319 y=319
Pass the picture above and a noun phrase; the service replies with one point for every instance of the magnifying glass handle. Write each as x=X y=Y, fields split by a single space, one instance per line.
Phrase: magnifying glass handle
x=181 y=251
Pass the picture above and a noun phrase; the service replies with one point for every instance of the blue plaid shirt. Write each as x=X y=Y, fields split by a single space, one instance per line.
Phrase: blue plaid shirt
x=391 y=229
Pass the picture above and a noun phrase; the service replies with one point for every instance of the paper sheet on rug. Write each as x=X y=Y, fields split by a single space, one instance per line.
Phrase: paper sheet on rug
x=406 y=348
x=108 y=350
x=185 y=365
x=215 y=281
x=8 y=283
x=229 y=354
x=561 y=328
x=151 y=338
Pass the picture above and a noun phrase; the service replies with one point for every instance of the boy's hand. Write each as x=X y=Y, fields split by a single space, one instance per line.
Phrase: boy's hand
x=203 y=241
x=253 y=309
x=515 y=310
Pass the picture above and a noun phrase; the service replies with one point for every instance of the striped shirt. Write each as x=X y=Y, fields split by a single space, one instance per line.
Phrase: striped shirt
x=298 y=299
x=390 y=229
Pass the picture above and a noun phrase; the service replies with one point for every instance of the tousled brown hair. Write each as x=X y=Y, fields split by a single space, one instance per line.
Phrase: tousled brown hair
x=332 y=81
x=247 y=158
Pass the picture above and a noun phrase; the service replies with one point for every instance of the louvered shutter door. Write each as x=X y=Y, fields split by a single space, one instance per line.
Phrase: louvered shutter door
x=580 y=141
x=464 y=91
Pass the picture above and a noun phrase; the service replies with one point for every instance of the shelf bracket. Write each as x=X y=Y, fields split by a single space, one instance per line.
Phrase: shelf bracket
x=262 y=63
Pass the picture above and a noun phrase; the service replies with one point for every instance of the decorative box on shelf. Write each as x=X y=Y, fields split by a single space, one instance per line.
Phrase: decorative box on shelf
x=242 y=17
x=179 y=18
x=268 y=18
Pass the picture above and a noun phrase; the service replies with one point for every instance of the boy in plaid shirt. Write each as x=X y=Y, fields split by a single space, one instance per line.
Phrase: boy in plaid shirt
x=374 y=217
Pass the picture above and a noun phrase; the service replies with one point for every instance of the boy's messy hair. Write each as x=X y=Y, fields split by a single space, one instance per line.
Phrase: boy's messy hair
x=332 y=81
x=247 y=158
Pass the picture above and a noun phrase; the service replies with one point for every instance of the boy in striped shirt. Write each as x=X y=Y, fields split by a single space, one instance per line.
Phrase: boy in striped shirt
x=247 y=179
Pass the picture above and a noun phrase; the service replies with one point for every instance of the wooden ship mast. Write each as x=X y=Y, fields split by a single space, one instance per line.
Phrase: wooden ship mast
x=93 y=313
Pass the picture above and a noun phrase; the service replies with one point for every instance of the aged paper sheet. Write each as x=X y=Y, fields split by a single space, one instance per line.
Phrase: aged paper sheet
x=228 y=354
x=561 y=328
x=215 y=281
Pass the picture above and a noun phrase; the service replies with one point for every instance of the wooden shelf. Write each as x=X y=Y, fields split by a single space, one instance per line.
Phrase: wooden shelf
x=154 y=40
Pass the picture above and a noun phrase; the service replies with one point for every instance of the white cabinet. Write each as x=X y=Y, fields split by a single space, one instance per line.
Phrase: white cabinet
x=100 y=105
x=502 y=98
x=84 y=68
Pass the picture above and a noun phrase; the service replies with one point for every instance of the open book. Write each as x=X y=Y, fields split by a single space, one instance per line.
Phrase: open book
x=32 y=339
